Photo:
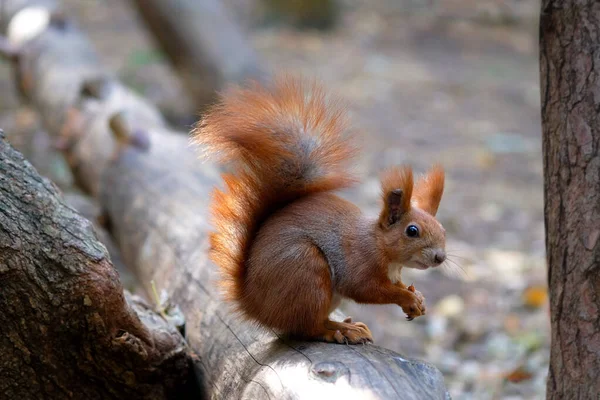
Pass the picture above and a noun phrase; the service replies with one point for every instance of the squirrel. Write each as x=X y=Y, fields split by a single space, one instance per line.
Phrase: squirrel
x=288 y=248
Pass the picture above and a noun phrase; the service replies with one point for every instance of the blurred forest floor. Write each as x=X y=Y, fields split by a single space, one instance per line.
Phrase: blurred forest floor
x=450 y=81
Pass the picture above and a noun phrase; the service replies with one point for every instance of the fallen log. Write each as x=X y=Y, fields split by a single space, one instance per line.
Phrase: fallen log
x=67 y=329
x=154 y=194
x=203 y=42
x=306 y=14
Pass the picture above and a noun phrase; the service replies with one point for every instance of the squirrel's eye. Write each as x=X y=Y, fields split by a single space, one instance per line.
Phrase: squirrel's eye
x=412 y=231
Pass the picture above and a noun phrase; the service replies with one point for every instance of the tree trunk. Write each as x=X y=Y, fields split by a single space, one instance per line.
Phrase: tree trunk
x=154 y=192
x=570 y=78
x=204 y=43
x=66 y=328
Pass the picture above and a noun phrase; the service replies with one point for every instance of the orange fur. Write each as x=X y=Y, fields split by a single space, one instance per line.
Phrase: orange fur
x=429 y=189
x=287 y=247
x=285 y=142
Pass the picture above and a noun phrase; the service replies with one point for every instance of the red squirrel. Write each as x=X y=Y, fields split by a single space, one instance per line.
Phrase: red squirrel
x=288 y=248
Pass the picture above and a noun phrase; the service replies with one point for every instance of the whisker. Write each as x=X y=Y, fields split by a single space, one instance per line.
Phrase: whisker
x=456 y=256
x=456 y=264
x=451 y=272
x=455 y=269
x=451 y=260
x=457 y=250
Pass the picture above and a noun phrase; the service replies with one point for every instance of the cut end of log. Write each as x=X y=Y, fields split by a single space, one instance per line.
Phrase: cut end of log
x=27 y=24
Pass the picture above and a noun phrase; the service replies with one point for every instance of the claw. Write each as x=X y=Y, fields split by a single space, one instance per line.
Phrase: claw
x=339 y=337
x=348 y=333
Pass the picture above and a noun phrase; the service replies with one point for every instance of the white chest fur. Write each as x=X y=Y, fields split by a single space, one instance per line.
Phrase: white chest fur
x=395 y=272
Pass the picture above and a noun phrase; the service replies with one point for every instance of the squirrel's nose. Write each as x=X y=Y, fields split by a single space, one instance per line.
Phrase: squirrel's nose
x=440 y=256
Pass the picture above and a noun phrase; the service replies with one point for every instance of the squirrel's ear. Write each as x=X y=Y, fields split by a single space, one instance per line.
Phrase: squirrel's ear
x=429 y=189
x=397 y=187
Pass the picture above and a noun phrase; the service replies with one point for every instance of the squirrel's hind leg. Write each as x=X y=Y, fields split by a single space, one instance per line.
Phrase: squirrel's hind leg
x=346 y=332
x=289 y=289
x=300 y=309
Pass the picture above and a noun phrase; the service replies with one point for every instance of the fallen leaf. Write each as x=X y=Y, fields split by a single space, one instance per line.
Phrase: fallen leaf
x=535 y=296
x=519 y=375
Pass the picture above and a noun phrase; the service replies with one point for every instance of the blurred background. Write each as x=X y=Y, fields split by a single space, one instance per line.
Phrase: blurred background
x=450 y=81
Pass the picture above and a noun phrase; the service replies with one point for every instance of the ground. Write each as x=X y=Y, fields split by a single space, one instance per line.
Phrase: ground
x=454 y=82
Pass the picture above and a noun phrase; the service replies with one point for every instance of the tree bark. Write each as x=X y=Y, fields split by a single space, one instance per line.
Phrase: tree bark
x=570 y=78
x=154 y=193
x=203 y=42
x=67 y=330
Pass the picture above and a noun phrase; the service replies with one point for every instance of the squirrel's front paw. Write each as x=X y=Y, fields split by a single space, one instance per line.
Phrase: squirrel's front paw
x=419 y=296
x=414 y=305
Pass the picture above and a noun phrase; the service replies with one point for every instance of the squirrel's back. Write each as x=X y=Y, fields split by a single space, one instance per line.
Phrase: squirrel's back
x=284 y=142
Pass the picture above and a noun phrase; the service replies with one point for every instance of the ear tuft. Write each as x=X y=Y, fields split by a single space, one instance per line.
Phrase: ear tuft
x=397 y=187
x=429 y=190
x=394 y=204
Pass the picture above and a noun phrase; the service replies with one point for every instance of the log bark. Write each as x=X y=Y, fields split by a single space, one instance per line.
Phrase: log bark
x=203 y=42
x=155 y=196
x=570 y=77
x=67 y=330
x=306 y=14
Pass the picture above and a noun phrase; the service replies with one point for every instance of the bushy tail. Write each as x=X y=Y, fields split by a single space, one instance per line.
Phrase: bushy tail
x=284 y=142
